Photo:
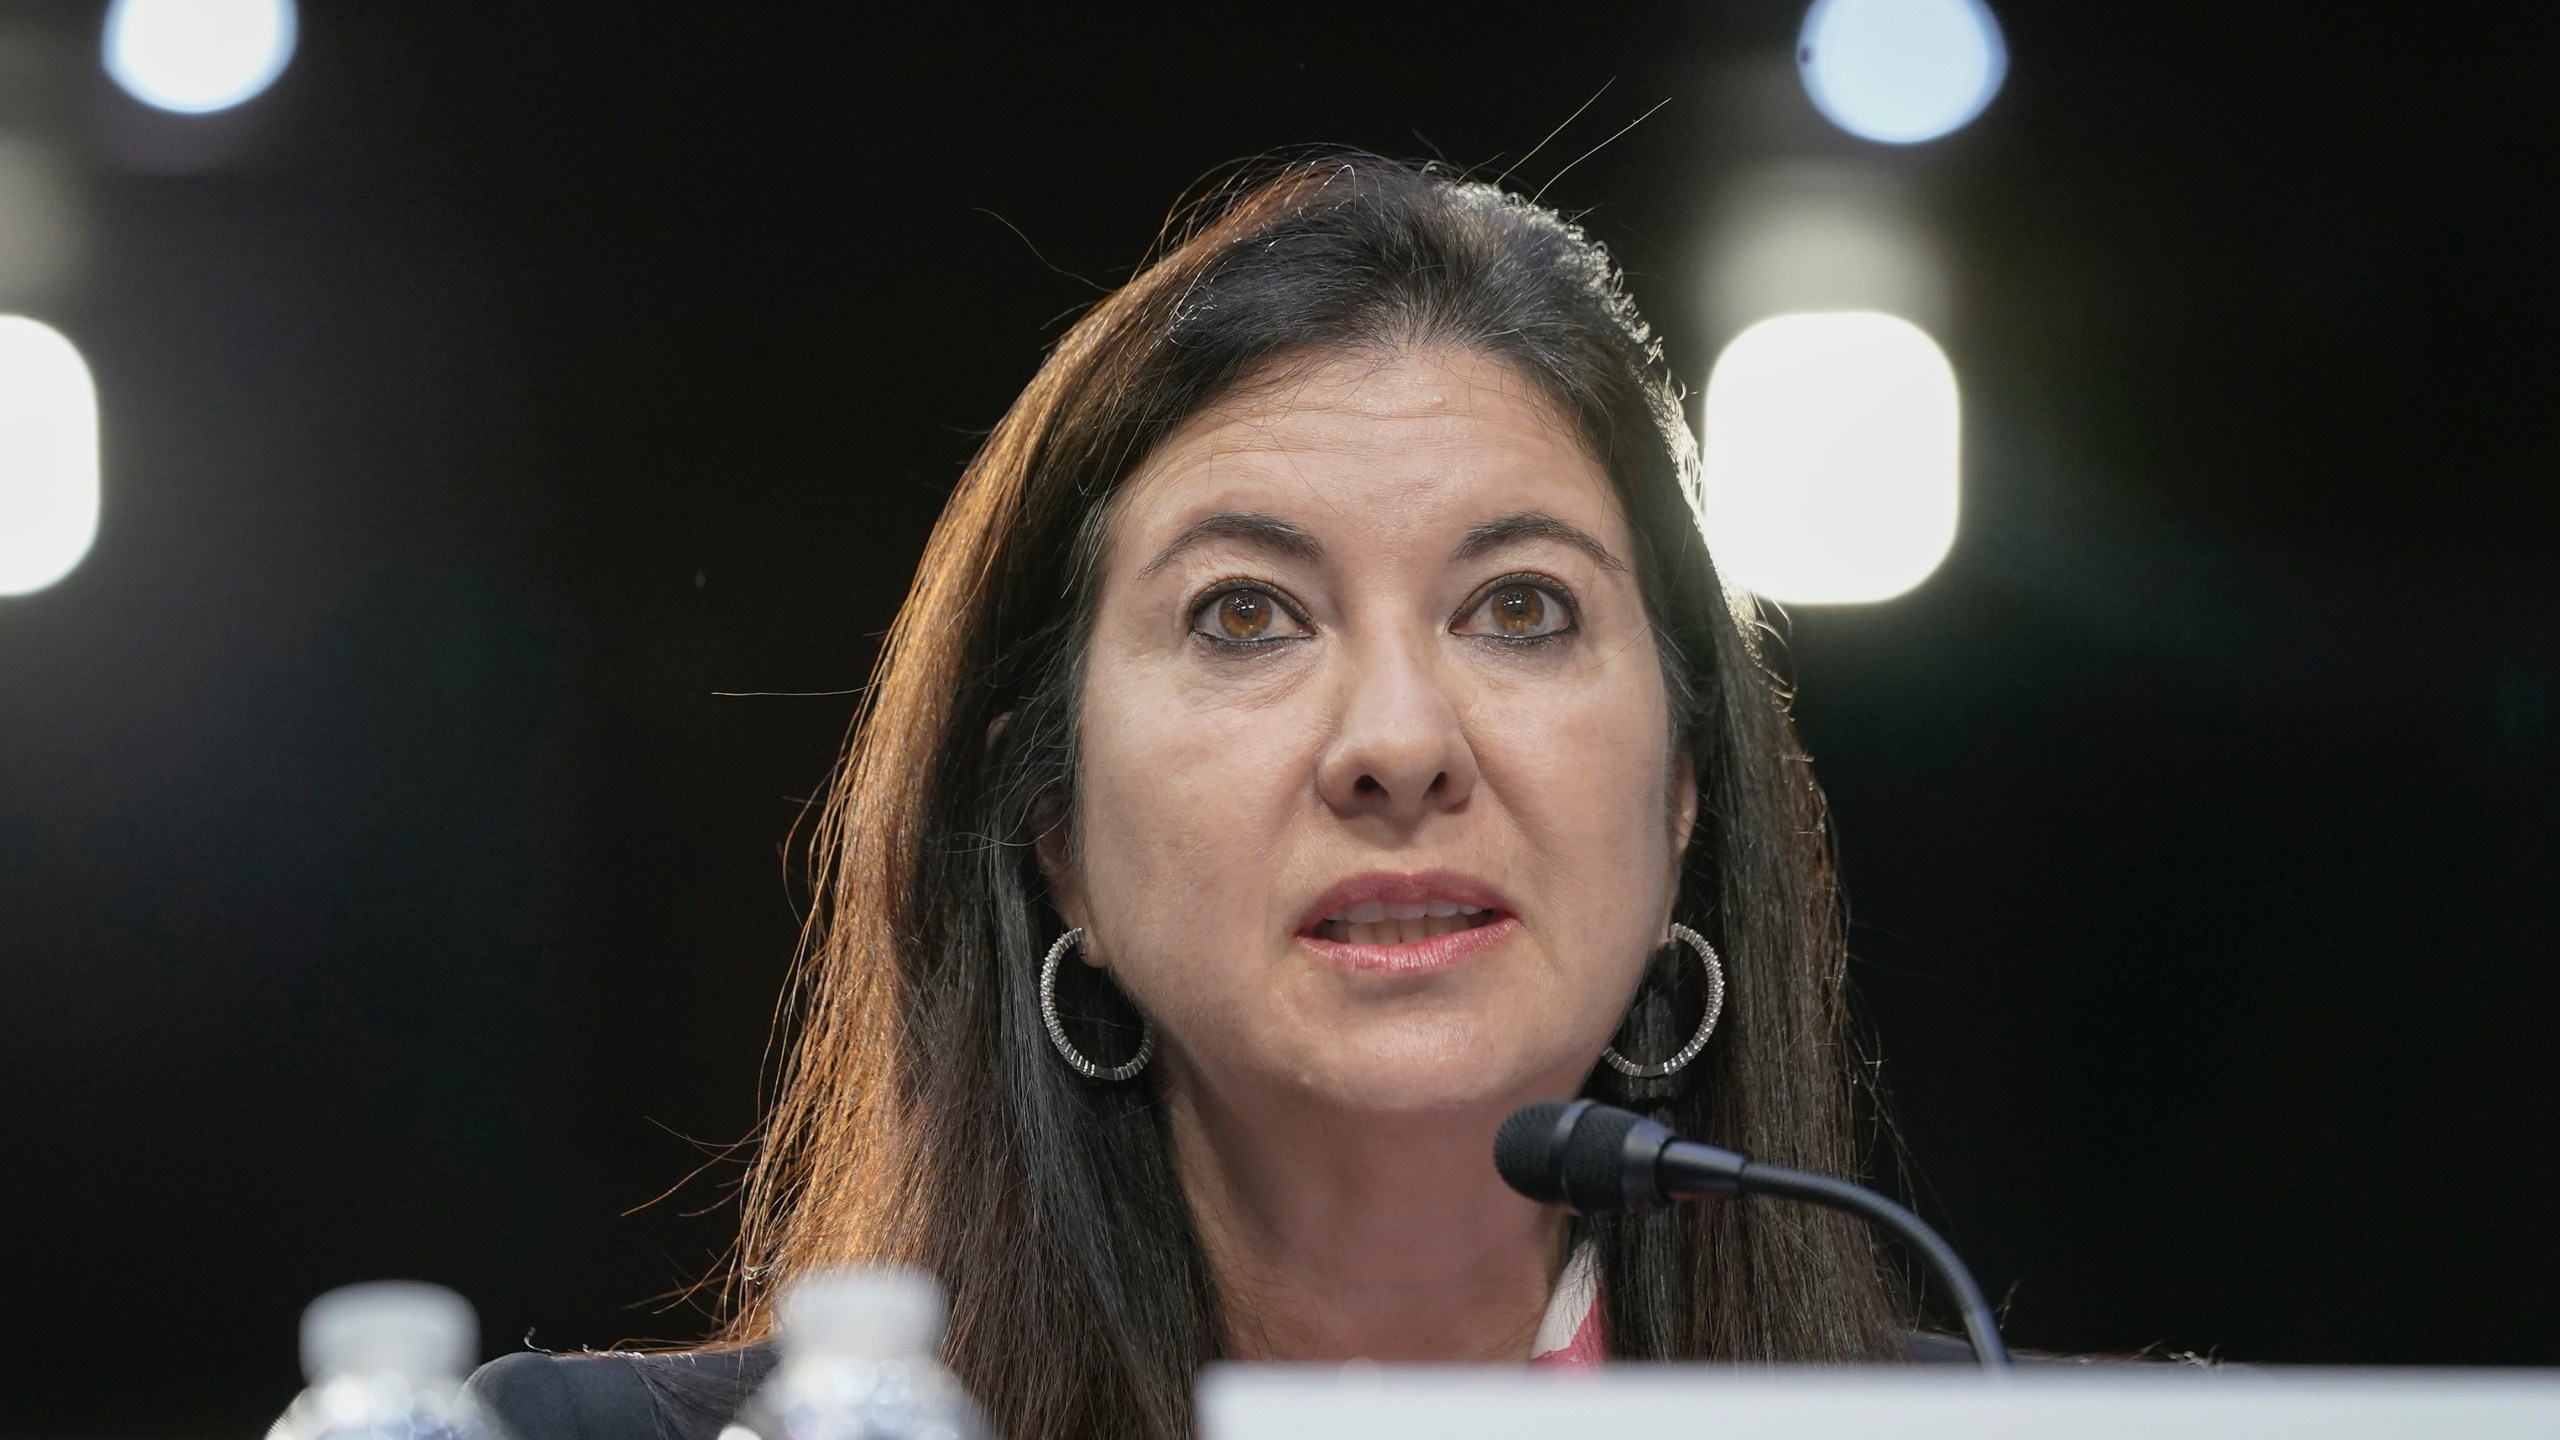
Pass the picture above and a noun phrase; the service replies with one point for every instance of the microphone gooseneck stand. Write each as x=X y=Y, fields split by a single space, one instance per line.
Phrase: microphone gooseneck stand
x=1602 y=1160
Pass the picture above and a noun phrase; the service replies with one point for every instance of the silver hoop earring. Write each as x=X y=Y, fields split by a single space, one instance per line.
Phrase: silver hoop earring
x=1058 y=1033
x=1706 y=1026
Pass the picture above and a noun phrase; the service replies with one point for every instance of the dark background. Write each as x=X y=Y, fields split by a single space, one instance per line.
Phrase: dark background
x=388 y=887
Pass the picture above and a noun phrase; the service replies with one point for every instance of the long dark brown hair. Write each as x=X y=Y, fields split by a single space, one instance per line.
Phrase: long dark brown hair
x=922 y=1116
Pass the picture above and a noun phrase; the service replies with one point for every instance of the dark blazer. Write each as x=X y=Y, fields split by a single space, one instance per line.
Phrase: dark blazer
x=686 y=1395
x=690 y=1395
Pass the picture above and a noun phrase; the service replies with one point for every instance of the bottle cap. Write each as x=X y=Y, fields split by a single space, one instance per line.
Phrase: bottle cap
x=873 y=1311
x=408 y=1328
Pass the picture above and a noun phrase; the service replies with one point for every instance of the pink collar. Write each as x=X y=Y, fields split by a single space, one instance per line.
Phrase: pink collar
x=1575 y=1331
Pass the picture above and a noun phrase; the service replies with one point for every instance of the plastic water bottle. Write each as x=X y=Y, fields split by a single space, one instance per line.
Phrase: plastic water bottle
x=386 y=1361
x=860 y=1361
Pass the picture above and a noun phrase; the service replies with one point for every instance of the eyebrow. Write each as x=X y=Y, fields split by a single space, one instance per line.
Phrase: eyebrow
x=1532 y=525
x=1268 y=532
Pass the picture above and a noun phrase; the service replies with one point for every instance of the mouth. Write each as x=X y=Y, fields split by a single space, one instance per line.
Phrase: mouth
x=1379 y=922
x=1405 y=923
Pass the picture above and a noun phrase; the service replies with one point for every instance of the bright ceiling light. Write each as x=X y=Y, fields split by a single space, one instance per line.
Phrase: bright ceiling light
x=1830 y=458
x=196 y=56
x=48 y=456
x=1901 y=71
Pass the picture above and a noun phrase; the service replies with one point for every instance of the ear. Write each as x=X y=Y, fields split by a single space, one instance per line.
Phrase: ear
x=1056 y=848
x=1684 y=807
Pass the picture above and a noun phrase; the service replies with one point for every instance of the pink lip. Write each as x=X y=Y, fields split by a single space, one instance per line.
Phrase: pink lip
x=1419 y=887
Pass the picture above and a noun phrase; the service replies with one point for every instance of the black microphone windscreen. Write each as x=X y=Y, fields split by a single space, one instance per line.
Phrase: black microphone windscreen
x=1525 y=1151
x=1595 y=1160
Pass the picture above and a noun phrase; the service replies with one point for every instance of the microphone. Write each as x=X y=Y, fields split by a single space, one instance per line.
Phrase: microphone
x=1605 y=1161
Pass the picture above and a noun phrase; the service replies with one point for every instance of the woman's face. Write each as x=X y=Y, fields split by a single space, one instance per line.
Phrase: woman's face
x=1378 y=807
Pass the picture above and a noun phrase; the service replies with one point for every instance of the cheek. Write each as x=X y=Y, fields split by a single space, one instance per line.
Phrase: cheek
x=1588 y=775
x=1584 y=777
x=1181 y=808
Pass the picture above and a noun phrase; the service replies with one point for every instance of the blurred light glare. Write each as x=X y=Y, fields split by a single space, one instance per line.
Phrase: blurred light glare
x=1830 y=458
x=48 y=456
x=198 y=56
x=1901 y=71
x=1804 y=237
x=40 y=234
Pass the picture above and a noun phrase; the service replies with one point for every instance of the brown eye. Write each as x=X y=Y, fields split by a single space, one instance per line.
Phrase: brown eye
x=1245 y=617
x=1519 y=610
x=1244 y=614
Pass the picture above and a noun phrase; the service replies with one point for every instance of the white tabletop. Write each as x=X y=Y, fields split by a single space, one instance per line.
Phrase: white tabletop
x=1367 y=1402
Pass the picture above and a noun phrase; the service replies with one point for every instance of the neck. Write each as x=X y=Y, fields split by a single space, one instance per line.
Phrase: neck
x=1332 y=1236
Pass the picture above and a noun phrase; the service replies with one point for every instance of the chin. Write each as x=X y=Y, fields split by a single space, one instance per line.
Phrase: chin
x=1405 y=1071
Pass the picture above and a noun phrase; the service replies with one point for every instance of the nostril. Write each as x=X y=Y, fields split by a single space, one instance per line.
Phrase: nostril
x=1369 y=785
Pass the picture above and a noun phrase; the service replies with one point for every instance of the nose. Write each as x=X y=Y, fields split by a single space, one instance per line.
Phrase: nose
x=1399 y=752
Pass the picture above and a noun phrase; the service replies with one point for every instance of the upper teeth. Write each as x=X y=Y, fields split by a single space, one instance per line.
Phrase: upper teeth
x=1370 y=912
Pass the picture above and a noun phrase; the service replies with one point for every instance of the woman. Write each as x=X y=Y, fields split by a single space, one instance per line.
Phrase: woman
x=1315 y=730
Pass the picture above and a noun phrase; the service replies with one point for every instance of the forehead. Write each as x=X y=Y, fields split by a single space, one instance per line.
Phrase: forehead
x=1389 y=442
